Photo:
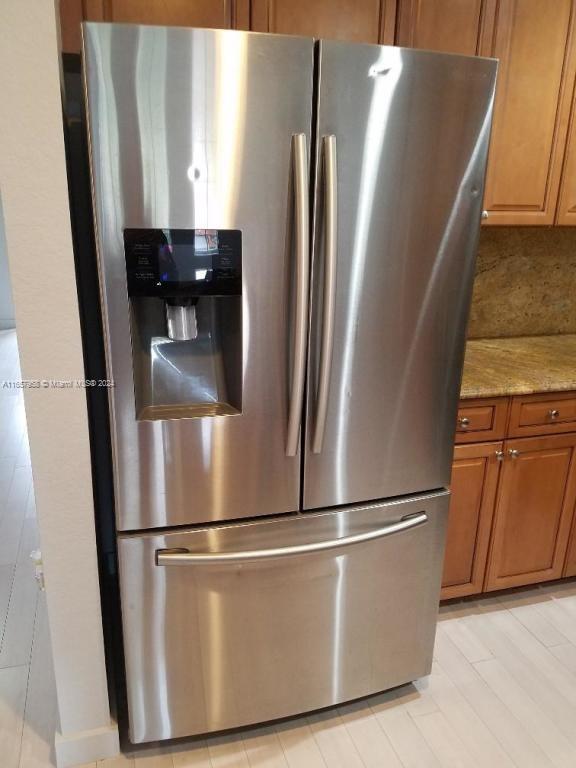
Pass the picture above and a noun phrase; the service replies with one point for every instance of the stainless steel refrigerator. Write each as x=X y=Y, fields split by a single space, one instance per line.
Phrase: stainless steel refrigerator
x=286 y=232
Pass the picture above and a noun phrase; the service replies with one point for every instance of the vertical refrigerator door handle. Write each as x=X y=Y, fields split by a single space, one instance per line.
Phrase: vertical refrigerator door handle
x=329 y=298
x=301 y=203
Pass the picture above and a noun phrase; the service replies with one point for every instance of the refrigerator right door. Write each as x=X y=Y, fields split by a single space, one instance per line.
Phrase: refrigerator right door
x=402 y=140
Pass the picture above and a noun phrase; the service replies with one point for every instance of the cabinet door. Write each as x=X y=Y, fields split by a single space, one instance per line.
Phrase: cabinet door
x=473 y=487
x=533 y=511
x=71 y=16
x=566 y=213
x=535 y=79
x=451 y=26
x=217 y=14
x=570 y=565
x=362 y=21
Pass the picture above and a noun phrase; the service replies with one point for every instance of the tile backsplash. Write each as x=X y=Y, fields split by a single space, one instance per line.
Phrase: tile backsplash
x=525 y=282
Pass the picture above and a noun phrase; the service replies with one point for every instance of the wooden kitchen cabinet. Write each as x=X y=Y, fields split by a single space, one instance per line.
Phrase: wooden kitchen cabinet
x=570 y=564
x=484 y=419
x=450 y=26
x=542 y=414
x=473 y=486
x=566 y=212
x=362 y=21
x=534 y=510
x=71 y=16
x=218 y=14
x=533 y=41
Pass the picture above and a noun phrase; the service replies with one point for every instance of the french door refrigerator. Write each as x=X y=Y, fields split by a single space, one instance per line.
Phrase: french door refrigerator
x=286 y=231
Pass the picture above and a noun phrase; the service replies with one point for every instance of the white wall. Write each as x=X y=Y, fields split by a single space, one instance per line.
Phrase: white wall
x=6 y=305
x=37 y=223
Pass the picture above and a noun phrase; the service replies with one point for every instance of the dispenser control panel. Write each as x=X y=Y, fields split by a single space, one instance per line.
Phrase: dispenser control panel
x=183 y=262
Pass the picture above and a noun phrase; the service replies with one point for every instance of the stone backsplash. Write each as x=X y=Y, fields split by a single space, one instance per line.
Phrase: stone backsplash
x=525 y=282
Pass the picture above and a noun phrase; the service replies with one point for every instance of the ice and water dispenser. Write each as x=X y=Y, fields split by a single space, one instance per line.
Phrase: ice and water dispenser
x=185 y=293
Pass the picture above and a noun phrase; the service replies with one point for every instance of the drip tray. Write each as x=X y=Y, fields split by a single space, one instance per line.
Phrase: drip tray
x=192 y=411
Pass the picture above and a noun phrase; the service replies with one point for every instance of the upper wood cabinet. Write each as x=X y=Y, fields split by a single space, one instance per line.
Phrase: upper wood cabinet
x=535 y=43
x=566 y=213
x=220 y=14
x=533 y=512
x=451 y=26
x=363 y=21
x=532 y=39
x=71 y=16
x=217 y=14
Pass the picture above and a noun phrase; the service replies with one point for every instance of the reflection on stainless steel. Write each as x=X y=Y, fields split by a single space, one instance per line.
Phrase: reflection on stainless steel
x=319 y=629
x=181 y=322
x=415 y=139
x=162 y=102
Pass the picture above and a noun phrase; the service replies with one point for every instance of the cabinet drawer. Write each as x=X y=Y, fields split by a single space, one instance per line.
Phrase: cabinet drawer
x=543 y=414
x=480 y=420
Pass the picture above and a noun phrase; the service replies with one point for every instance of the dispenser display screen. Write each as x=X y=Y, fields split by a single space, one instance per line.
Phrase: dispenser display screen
x=189 y=262
x=183 y=262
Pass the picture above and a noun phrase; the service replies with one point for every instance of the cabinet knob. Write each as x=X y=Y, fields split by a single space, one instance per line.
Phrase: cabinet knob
x=499 y=455
x=513 y=453
x=463 y=422
x=553 y=413
x=484 y=214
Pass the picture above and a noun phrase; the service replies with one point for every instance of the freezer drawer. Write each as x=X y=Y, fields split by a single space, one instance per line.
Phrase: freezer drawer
x=249 y=622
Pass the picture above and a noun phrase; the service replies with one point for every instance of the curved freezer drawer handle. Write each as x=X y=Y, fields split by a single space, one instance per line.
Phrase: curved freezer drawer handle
x=185 y=557
x=329 y=300
x=300 y=174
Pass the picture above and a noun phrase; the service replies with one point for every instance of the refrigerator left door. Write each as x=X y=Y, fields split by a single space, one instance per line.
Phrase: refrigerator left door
x=202 y=130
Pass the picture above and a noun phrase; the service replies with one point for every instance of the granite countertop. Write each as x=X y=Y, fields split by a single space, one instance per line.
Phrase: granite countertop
x=519 y=366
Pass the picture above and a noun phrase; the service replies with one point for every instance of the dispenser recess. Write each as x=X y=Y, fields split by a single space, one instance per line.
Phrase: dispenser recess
x=185 y=293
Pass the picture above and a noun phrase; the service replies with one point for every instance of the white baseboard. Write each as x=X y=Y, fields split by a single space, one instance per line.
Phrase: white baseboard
x=86 y=746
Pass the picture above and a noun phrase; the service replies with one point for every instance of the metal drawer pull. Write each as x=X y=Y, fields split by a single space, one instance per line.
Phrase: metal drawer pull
x=553 y=413
x=464 y=422
x=185 y=557
x=513 y=453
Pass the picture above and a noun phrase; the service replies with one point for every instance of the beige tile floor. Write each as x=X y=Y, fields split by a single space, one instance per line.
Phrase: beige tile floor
x=502 y=692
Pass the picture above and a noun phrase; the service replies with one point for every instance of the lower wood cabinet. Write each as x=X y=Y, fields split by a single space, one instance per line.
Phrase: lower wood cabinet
x=512 y=518
x=473 y=485
x=570 y=565
x=534 y=511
